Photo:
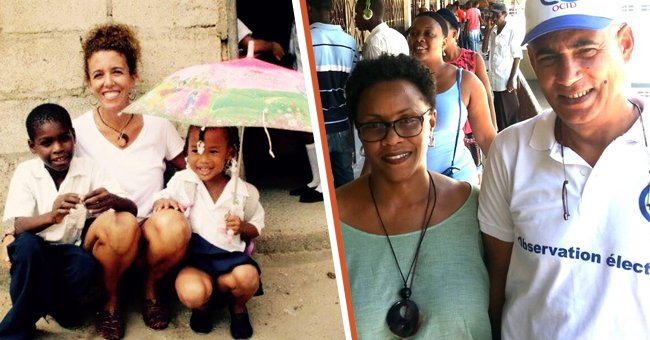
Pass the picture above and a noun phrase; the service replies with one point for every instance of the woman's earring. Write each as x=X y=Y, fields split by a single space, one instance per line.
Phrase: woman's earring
x=432 y=140
x=132 y=94
x=362 y=151
x=443 y=53
x=93 y=101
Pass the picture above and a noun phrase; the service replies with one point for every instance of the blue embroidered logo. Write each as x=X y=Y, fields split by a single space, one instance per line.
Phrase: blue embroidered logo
x=642 y=203
x=560 y=5
x=554 y=2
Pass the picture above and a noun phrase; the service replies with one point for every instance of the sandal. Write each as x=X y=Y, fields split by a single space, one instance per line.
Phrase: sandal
x=240 y=326
x=155 y=316
x=200 y=321
x=109 y=326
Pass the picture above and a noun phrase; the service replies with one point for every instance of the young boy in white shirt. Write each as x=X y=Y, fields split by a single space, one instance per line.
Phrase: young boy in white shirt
x=49 y=200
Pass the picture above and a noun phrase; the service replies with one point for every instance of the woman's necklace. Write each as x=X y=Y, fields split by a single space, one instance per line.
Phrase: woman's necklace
x=122 y=138
x=403 y=318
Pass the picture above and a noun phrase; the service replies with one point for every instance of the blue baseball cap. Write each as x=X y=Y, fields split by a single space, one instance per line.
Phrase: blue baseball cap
x=546 y=16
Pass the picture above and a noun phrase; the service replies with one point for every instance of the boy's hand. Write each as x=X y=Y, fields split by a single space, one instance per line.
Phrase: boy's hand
x=98 y=201
x=62 y=205
x=233 y=222
x=167 y=203
x=4 y=260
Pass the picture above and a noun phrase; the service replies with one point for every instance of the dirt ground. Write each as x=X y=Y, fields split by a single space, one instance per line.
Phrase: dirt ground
x=300 y=302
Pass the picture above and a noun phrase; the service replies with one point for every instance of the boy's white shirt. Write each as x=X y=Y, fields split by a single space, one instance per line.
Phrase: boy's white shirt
x=32 y=192
x=208 y=218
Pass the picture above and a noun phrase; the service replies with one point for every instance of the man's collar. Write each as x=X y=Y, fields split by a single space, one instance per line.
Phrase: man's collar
x=543 y=135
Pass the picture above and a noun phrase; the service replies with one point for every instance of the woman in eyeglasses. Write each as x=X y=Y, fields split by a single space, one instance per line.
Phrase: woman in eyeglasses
x=461 y=97
x=411 y=239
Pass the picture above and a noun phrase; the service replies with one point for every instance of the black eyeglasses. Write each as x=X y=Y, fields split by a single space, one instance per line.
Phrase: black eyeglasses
x=404 y=127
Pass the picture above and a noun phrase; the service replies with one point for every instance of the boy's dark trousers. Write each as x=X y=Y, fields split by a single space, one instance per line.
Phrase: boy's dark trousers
x=45 y=279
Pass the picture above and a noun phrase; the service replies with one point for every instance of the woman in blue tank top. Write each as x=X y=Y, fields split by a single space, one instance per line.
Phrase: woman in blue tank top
x=460 y=96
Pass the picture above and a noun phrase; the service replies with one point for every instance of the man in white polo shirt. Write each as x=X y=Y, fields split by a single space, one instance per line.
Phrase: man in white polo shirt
x=503 y=44
x=564 y=203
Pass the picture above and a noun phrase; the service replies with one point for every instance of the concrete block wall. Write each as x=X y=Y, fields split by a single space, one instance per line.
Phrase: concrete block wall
x=41 y=58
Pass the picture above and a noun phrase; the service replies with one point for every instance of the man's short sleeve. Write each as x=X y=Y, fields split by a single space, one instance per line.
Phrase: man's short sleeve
x=515 y=45
x=242 y=31
x=495 y=195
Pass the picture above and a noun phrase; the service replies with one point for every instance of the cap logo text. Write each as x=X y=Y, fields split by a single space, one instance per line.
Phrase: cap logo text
x=554 y=2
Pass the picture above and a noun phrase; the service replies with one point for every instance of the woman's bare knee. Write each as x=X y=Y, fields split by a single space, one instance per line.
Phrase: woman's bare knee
x=167 y=231
x=124 y=233
x=119 y=231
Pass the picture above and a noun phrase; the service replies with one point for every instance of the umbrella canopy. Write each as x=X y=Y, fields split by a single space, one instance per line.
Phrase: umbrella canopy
x=244 y=92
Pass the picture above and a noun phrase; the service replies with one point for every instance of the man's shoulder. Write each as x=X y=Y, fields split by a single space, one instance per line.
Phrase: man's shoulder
x=340 y=36
x=392 y=37
x=522 y=132
x=325 y=27
x=335 y=33
x=393 y=32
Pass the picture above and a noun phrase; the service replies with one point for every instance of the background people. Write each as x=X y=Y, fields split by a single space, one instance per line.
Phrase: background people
x=382 y=39
x=269 y=22
x=335 y=54
x=565 y=229
x=473 y=26
x=245 y=35
x=502 y=43
x=473 y=62
x=465 y=58
x=460 y=96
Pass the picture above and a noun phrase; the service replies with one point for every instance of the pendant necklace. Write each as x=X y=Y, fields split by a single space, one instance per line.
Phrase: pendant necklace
x=122 y=138
x=404 y=317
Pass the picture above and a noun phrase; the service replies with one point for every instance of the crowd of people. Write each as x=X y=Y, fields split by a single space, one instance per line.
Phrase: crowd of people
x=548 y=245
x=476 y=98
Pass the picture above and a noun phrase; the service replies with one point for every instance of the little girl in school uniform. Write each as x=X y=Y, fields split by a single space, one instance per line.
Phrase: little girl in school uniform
x=224 y=212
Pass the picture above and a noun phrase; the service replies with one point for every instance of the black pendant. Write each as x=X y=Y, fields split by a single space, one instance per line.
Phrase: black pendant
x=403 y=318
x=122 y=140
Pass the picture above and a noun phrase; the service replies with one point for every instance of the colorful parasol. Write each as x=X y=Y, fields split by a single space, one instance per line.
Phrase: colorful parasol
x=245 y=92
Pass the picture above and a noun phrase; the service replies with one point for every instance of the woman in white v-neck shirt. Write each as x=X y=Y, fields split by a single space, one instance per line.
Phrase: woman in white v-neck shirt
x=133 y=149
x=139 y=166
